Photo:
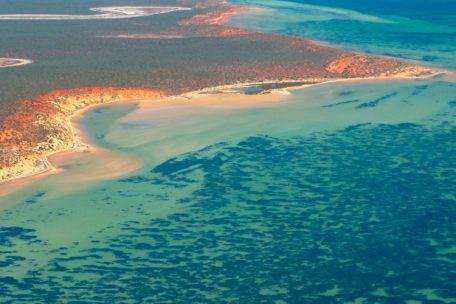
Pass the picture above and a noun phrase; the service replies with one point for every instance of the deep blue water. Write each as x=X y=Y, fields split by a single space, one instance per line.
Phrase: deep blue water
x=441 y=11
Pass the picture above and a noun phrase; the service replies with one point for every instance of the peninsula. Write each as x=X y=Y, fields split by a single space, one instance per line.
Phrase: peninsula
x=191 y=50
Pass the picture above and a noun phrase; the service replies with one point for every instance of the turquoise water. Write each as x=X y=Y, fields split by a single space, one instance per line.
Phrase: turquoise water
x=339 y=193
x=412 y=29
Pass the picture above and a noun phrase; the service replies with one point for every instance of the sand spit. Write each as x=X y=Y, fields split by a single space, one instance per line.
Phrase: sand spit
x=285 y=86
x=112 y=12
x=12 y=62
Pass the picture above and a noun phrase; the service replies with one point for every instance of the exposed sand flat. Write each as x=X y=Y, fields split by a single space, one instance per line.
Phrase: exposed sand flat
x=111 y=12
x=11 y=62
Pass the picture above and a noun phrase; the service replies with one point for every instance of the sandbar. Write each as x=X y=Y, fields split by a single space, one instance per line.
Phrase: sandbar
x=12 y=62
x=111 y=12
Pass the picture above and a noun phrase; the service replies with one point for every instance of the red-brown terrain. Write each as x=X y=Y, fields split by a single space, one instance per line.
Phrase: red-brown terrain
x=42 y=126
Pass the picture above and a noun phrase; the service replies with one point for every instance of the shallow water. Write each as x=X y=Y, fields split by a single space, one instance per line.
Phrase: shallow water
x=341 y=192
x=263 y=210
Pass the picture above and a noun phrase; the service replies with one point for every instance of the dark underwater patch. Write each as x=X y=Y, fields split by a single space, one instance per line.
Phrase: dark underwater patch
x=341 y=103
x=375 y=102
x=430 y=58
x=345 y=93
x=35 y=198
x=8 y=234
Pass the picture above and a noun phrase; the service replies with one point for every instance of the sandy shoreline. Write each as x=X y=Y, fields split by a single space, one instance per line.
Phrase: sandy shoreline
x=13 y=62
x=102 y=13
x=82 y=143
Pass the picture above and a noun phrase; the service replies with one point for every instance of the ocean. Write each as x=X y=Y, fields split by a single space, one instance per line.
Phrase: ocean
x=337 y=193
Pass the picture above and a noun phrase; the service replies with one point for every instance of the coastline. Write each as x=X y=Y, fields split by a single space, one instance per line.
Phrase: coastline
x=180 y=158
x=56 y=113
x=80 y=142
x=312 y=82
x=75 y=141
x=110 y=12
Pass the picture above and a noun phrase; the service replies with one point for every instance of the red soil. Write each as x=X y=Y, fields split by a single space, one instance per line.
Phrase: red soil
x=361 y=65
x=36 y=120
x=219 y=14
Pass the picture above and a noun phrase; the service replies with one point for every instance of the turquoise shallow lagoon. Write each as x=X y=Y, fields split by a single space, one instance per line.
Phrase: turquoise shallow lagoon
x=338 y=193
